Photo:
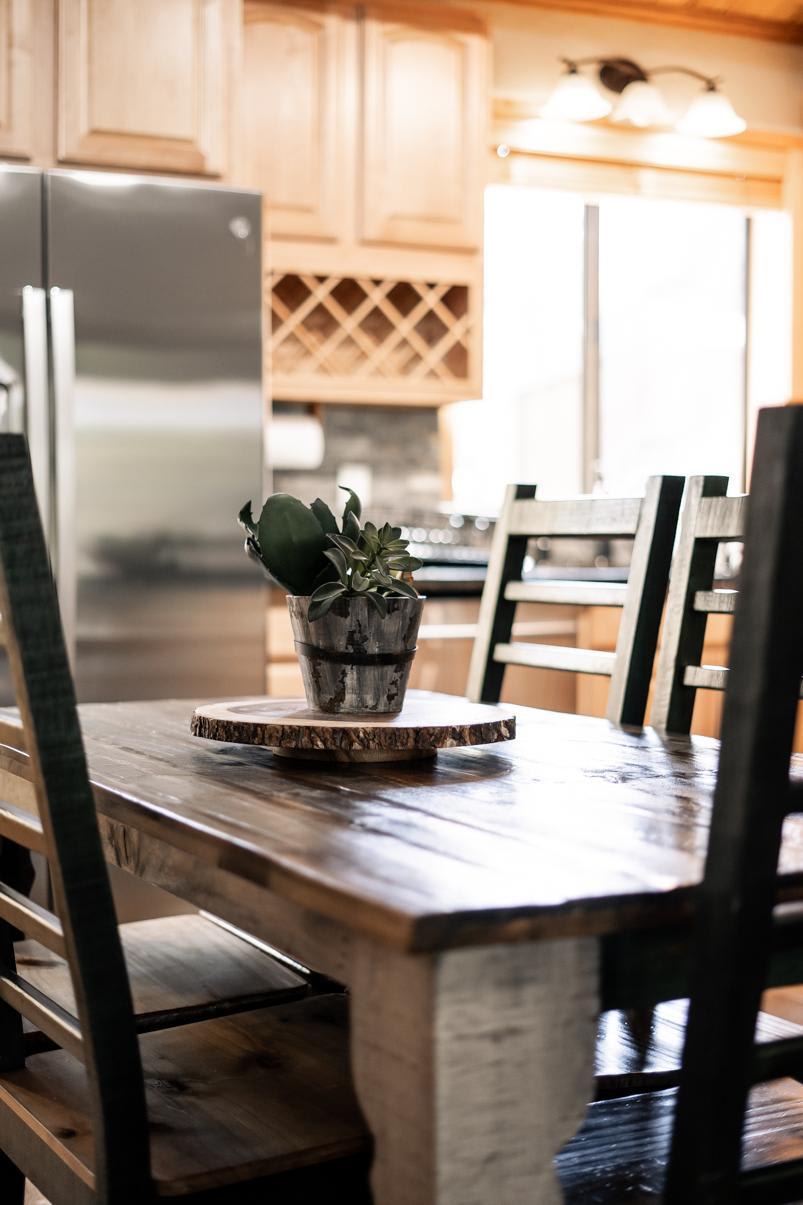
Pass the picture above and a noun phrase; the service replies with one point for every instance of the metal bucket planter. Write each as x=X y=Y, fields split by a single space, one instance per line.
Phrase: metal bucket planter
x=354 y=661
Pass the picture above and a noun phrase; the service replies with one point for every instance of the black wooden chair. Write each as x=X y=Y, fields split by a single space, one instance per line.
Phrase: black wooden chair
x=650 y=523
x=719 y=1138
x=709 y=518
x=163 y=955
x=111 y=1115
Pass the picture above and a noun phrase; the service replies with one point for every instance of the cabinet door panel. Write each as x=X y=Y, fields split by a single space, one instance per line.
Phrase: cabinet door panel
x=424 y=128
x=145 y=84
x=297 y=116
x=16 y=75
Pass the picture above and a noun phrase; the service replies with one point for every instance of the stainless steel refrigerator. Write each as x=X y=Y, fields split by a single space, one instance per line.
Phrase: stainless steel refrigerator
x=130 y=354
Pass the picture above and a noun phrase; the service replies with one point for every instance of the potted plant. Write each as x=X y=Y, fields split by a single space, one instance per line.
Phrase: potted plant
x=354 y=609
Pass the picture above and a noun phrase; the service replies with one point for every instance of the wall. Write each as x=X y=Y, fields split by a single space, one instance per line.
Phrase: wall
x=763 y=79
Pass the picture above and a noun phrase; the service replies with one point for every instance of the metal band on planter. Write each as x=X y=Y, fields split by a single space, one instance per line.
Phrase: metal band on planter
x=347 y=657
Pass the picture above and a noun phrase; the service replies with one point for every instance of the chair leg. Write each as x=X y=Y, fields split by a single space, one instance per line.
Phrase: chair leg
x=12 y=1182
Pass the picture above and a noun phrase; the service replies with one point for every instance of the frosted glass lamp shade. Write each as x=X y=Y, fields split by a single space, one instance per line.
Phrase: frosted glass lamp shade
x=711 y=115
x=642 y=105
x=575 y=98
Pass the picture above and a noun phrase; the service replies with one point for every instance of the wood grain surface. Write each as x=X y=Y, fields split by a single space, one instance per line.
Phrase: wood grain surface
x=177 y=965
x=228 y=1099
x=576 y=827
x=289 y=727
x=620 y=1153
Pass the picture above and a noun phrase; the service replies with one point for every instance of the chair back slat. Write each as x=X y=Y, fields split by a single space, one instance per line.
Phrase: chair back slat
x=32 y=919
x=650 y=522
x=19 y=826
x=60 y=1026
x=709 y=518
x=19 y=791
x=715 y=602
x=720 y=518
x=706 y=677
x=573 y=594
x=557 y=656
x=609 y=518
x=103 y=1034
x=734 y=925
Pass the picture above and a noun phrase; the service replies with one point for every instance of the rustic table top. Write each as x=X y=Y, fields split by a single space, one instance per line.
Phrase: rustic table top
x=576 y=827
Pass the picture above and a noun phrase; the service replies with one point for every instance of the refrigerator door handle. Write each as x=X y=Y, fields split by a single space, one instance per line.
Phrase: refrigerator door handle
x=62 y=336
x=35 y=421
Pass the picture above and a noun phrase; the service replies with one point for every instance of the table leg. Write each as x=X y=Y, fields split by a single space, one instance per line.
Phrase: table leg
x=473 y=1068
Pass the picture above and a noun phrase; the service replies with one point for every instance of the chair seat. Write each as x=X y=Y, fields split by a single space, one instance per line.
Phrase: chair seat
x=620 y=1154
x=229 y=1100
x=181 y=968
x=642 y=1052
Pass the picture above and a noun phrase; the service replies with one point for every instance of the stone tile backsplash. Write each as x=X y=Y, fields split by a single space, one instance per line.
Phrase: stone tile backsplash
x=391 y=457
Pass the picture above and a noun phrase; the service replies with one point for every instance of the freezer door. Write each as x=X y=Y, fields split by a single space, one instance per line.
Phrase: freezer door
x=154 y=303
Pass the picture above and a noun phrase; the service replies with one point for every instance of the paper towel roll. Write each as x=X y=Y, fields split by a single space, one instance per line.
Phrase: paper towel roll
x=295 y=442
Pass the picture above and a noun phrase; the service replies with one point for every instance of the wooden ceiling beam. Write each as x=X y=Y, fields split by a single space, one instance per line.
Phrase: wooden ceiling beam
x=687 y=16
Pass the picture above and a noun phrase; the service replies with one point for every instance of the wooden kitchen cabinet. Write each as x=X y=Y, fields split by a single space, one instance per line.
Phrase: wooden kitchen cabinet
x=26 y=71
x=146 y=85
x=365 y=129
x=365 y=124
x=424 y=117
x=297 y=124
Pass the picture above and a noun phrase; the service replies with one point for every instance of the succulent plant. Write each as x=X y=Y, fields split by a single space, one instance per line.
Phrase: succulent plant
x=307 y=553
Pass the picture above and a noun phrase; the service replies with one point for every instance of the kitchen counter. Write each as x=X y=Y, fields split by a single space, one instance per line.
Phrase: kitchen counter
x=467 y=581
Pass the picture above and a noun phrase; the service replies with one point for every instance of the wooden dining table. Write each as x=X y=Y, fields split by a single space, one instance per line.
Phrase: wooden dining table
x=482 y=908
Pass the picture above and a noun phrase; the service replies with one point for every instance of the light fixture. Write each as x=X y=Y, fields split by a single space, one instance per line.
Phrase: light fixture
x=641 y=103
x=711 y=115
x=575 y=98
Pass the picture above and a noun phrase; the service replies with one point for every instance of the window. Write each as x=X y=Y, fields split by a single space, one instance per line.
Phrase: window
x=622 y=338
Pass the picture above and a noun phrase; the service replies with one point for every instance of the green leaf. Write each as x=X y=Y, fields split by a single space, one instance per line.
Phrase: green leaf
x=405 y=564
x=378 y=601
x=321 y=601
x=246 y=519
x=400 y=586
x=324 y=516
x=344 y=543
x=327 y=575
x=353 y=505
x=340 y=563
x=329 y=590
x=358 y=582
x=253 y=552
x=291 y=542
x=351 y=526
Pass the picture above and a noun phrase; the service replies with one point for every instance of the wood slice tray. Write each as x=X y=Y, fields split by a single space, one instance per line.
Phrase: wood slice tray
x=291 y=729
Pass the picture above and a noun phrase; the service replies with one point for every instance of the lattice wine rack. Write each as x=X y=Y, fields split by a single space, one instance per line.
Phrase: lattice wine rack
x=359 y=339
